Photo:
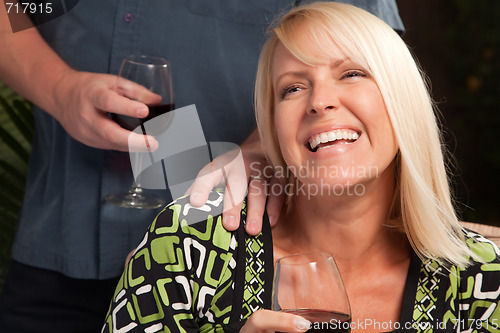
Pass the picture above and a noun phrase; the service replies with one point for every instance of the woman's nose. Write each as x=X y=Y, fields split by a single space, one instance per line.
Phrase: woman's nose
x=324 y=98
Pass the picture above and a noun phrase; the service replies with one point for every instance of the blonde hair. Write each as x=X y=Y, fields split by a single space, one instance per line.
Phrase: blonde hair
x=422 y=195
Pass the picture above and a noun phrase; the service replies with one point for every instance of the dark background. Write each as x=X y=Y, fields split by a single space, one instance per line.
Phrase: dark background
x=458 y=45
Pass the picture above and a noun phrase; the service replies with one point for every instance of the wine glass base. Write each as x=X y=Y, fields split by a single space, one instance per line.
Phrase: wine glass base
x=135 y=200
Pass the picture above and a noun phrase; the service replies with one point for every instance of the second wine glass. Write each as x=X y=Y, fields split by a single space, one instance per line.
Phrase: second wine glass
x=310 y=285
x=148 y=80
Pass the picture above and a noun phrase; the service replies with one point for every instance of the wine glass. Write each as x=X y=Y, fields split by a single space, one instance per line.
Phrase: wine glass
x=148 y=80
x=310 y=285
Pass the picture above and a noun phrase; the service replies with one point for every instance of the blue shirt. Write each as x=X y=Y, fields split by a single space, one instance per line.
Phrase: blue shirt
x=213 y=46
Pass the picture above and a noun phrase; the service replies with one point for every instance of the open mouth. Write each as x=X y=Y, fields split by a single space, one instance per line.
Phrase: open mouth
x=331 y=138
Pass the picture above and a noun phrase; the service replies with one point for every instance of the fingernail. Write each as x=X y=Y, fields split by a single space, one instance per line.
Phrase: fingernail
x=142 y=112
x=230 y=221
x=195 y=197
x=302 y=324
x=153 y=144
x=251 y=227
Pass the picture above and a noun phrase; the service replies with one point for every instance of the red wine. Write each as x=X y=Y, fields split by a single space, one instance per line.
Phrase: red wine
x=132 y=123
x=324 y=321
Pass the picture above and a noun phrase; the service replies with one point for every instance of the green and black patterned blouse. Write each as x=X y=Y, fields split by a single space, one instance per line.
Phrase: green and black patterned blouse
x=191 y=275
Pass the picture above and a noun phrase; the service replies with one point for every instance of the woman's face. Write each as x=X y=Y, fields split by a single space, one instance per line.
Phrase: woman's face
x=331 y=121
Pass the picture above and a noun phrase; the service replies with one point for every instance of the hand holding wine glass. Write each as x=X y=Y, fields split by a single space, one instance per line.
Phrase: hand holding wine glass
x=147 y=80
x=310 y=285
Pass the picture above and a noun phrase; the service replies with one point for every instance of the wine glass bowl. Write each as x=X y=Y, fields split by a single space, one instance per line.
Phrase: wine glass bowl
x=148 y=80
x=310 y=285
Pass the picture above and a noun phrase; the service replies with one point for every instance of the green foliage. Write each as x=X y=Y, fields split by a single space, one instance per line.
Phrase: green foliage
x=16 y=133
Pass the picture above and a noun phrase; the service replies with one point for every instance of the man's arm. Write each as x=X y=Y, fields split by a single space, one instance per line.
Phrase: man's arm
x=80 y=101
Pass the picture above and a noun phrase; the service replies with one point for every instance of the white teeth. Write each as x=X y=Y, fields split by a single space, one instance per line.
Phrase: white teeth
x=332 y=136
x=317 y=141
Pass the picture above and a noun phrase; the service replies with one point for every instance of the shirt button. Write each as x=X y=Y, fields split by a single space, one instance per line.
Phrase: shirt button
x=128 y=17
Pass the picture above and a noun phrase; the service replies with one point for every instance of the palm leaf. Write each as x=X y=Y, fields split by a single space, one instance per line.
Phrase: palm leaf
x=12 y=171
x=20 y=118
x=26 y=111
x=14 y=144
x=6 y=92
x=9 y=200
x=16 y=132
x=11 y=186
x=8 y=219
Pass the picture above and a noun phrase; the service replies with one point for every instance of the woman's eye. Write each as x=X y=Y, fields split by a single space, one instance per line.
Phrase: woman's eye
x=353 y=74
x=289 y=90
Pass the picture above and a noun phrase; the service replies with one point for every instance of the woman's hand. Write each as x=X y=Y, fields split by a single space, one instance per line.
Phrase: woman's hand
x=275 y=321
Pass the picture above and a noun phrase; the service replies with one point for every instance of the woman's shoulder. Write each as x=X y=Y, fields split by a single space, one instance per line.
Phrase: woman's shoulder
x=482 y=242
x=181 y=220
x=181 y=210
x=483 y=270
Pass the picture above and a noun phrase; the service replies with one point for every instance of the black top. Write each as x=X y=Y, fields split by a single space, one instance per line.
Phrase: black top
x=190 y=274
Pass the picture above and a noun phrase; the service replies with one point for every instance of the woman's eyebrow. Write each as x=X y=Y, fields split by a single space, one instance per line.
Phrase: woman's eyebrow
x=340 y=62
x=290 y=73
x=334 y=65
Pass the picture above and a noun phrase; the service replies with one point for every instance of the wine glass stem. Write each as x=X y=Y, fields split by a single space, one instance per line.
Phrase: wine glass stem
x=136 y=185
x=135 y=190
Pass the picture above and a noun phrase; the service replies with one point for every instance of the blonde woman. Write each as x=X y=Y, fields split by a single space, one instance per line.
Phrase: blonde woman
x=349 y=127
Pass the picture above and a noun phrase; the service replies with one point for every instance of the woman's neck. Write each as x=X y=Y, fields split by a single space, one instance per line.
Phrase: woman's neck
x=372 y=254
x=353 y=227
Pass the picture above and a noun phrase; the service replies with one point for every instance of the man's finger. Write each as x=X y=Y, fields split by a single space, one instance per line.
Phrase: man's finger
x=110 y=101
x=256 y=204
x=135 y=91
x=141 y=143
x=236 y=189
x=231 y=216
x=205 y=181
